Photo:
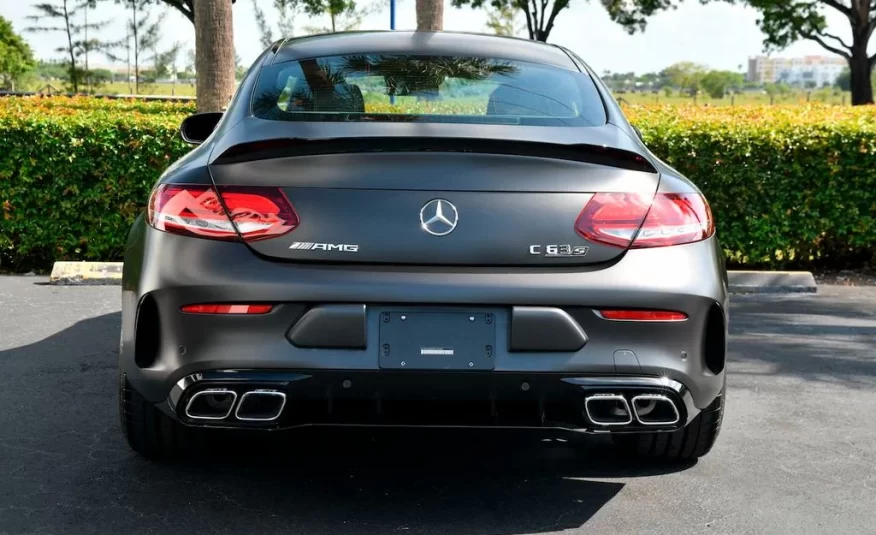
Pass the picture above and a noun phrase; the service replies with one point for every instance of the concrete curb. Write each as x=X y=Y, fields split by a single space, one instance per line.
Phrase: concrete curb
x=86 y=274
x=110 y=273
x=771 y=282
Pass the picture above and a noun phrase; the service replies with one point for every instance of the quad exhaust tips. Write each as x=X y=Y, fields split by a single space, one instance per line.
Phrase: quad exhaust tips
x=606 y=410
x=261 y=405
x=655 y=409
x=211 y=404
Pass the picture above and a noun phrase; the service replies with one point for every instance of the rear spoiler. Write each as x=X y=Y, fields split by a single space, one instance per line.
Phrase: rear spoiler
x=291 y=147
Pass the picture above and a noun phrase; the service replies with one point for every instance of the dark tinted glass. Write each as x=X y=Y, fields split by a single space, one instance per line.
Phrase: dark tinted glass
x=378 y=87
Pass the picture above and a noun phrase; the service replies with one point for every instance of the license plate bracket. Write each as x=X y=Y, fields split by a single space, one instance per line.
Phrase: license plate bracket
x=437 y=340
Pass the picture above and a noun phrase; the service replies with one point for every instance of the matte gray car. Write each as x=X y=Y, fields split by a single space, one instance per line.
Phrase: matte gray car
x=404 y=228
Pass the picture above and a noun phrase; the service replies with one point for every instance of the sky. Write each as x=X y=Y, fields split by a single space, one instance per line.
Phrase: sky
x=719 y=35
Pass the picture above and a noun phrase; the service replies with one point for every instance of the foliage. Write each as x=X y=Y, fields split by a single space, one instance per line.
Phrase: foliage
x=719 y=83
x=790 y=186
x=66 y=191
x=504 y=21
x=540 y=14
x=783 y=22
x=71 y=19
x=16 y=57
x=686 y=76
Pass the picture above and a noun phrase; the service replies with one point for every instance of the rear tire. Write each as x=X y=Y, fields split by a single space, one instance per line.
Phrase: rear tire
x=149 y=431
x=688 y=443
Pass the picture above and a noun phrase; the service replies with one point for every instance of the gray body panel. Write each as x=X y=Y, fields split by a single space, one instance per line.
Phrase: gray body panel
x=506 y=202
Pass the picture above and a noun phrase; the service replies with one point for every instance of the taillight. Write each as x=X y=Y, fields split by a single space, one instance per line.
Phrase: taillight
x=255 y=212
x=642 y=315
x=226 y=309
x=668 y=219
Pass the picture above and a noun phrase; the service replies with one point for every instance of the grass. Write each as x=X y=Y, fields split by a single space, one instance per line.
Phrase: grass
x=828 y=96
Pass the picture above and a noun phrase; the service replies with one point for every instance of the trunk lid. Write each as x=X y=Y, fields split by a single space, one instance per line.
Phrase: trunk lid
x=435 y=201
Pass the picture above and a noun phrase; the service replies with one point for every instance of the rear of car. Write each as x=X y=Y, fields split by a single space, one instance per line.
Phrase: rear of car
x=391 y=229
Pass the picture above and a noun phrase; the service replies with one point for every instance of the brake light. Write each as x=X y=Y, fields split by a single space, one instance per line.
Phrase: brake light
x=642 y=315
x=669 y=219
x=255 y=212
x=226 y=309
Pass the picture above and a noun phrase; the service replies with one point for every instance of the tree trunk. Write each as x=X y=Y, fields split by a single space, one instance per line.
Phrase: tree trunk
x=214 y=54
x=859 y=65
x=430 y=15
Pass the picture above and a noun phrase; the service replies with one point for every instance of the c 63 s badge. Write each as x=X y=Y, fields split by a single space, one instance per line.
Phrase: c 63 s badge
x=328 y=247
x=554 y=251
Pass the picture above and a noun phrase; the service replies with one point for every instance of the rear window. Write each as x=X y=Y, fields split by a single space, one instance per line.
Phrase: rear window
x=433 y=89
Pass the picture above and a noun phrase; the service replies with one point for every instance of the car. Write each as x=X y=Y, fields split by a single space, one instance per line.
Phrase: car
x=423 y=229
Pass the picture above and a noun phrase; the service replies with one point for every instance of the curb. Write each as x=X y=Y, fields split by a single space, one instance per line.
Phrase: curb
x=761 y=282
x=771 y=282
x=86 y=274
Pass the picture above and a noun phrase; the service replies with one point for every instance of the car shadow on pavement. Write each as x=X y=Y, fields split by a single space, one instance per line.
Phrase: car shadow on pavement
x=64 y=465
x=382 y=481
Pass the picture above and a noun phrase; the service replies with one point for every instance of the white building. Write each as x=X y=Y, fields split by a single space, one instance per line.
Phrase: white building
x=808 y=70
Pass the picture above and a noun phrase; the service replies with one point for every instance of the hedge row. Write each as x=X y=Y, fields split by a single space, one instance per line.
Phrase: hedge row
x=74 y=173
x=790 y=186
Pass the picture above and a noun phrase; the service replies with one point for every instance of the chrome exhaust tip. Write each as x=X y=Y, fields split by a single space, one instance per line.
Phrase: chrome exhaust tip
x=261 y=405
x=655 y=409
x=211 y=404
x=608 y=410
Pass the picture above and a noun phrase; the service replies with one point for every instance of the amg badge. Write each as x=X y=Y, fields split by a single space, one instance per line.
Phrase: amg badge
x=310 y=246
x=553 y=251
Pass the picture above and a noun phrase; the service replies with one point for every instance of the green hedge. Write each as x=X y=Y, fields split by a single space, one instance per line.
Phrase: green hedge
x=72 y=179
x=790 y=186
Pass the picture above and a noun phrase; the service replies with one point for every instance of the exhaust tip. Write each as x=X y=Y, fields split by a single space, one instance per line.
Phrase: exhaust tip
x=608 y=409
x=260 y=406
x=655 y=409
x=211 y=404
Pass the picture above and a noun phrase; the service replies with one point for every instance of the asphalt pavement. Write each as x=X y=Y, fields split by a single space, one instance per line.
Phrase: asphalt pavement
x=797 y=452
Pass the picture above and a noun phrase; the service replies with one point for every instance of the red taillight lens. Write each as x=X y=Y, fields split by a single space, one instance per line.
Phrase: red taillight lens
x=668 y=219
x=256 y=212
x=226 y=309
x=642 y=315
x=613 y=218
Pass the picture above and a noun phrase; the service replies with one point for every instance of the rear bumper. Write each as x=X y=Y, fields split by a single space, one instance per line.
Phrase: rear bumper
x=165 y=272
x=314 y=397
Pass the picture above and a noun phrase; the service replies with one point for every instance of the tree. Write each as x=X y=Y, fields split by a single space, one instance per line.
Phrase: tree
x=66 y=15
x=540 y=14
x=844 y=80
x=786 y=21
x=143 y=35
x=343 y=15
x=686 y=76
x=16 y=57
x=214 y=49
x=503 y=21
x=286 y=10
x=718 y=83
x=430 y=15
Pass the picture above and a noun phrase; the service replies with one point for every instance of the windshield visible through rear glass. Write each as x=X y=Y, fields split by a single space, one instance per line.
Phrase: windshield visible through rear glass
x=379 y=87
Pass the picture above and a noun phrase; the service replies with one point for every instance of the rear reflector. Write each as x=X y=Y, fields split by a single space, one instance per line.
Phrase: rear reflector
x=226 y=309
x=642 y=315
x=637 y=221
x=194 y=210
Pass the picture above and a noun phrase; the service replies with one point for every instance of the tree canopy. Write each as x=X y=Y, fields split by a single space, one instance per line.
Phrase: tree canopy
x=784 y=22
x=16 y=57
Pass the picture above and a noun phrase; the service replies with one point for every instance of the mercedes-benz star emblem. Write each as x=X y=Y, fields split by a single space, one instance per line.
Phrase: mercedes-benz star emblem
x=438 y=217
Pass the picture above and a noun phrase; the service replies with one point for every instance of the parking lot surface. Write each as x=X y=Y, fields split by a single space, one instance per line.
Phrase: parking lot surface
x=797 y=452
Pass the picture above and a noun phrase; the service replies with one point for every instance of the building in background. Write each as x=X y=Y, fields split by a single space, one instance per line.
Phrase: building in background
x=808 y=71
